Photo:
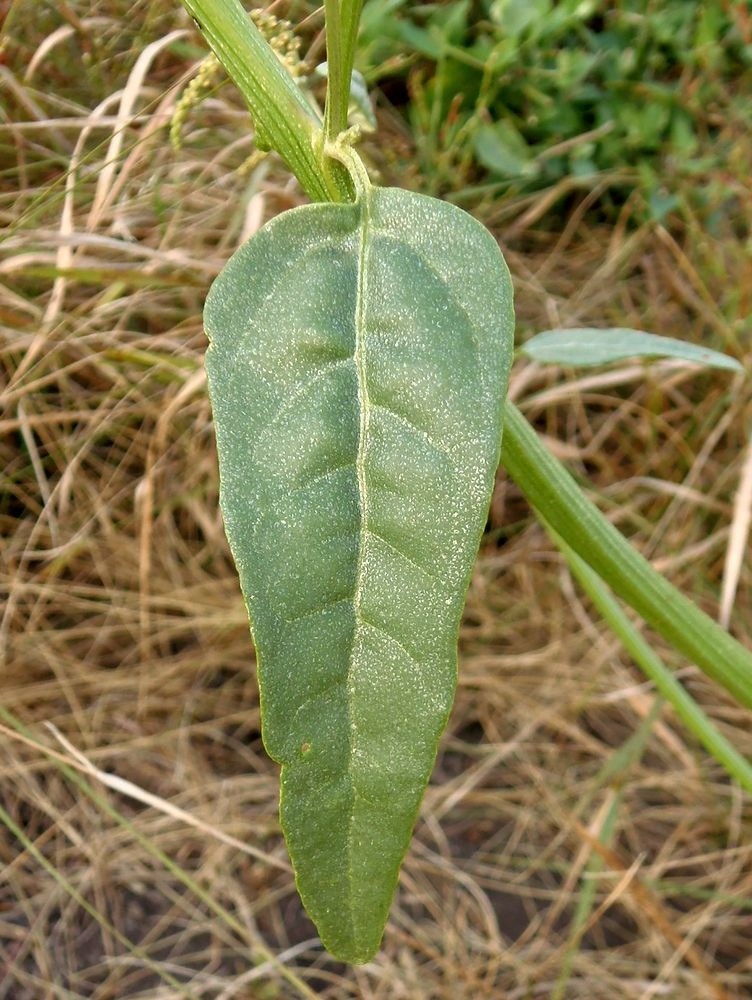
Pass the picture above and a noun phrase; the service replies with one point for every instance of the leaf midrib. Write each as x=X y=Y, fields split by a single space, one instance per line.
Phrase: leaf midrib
x=359 y=355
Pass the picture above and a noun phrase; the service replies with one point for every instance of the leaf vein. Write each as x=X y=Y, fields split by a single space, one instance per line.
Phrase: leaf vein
x=319 y=610
x=359 y=355
x=451 y=294
x=404 y=555
x=389 y=635
x=413 y=427
x=332 y=685
x=323 y=475
x=291 y=401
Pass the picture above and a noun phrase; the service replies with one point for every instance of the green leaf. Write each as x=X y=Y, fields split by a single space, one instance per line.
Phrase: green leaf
x=586 y=347
x=501 y=149
x=514 y=17
x=357 y=369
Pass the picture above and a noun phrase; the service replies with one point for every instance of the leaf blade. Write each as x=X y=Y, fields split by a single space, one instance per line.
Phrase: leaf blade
x=585 y=347
x=369 y=352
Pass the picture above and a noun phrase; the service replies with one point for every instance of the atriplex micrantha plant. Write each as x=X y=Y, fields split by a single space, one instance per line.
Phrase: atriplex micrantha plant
x=359 y=353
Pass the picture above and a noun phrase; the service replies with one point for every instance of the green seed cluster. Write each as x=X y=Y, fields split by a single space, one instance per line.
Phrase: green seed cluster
x=207 y=77
x=280 y=36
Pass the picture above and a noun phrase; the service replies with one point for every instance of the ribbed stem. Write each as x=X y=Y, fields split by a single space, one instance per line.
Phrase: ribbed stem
x=342 y=19
x=556 y=496
x=282 y=116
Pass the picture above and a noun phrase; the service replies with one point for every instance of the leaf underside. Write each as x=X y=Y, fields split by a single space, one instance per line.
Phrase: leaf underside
x=357 y=369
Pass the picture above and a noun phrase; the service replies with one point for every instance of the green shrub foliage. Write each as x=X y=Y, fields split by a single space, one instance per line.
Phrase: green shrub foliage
x=539 y=90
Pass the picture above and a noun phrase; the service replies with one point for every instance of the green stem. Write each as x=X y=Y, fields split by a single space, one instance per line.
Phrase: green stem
x=281 y=114
x=556 y=496
x=342 y=19
x=653 y=667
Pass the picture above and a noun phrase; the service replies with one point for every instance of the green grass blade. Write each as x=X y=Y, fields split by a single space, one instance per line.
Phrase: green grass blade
x=693 y=717
x=33 y=851
x=257 y=953
x=613 y=772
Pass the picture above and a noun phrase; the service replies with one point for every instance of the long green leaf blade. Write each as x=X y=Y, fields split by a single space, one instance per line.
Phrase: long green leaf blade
x=585 y=347
x=358 y=364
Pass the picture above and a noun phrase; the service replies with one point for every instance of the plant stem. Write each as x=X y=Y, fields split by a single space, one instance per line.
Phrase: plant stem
x=693 y=717
x=556 y=496
x=342 y=19
x=282 y=116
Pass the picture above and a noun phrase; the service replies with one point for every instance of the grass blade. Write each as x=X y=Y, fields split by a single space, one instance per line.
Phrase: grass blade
x=693 y=717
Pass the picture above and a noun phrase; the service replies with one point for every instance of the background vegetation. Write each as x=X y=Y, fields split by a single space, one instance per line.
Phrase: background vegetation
x=535 y=92
x=574 y=841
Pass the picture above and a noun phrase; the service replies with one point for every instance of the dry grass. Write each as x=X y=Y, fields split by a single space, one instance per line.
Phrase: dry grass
x=555 y=855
